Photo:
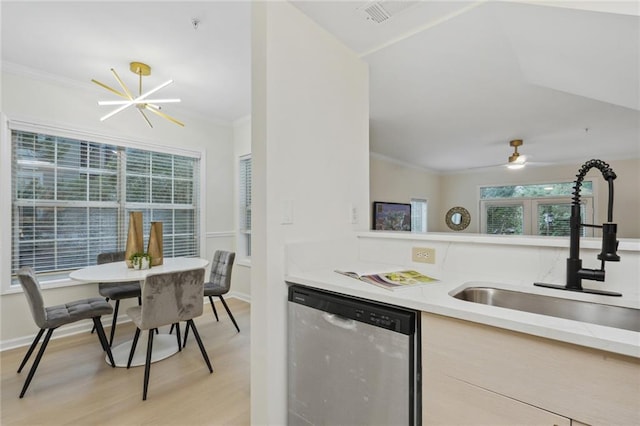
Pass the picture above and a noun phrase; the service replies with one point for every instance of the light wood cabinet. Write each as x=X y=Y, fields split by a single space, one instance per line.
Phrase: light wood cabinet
x=474 y=374
x=450 y=401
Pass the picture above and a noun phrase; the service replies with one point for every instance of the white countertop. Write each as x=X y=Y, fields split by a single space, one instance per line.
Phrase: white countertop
x=435 y=298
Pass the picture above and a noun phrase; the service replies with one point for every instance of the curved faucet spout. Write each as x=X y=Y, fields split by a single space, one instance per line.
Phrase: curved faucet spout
x=607 y=173
x=575 y=272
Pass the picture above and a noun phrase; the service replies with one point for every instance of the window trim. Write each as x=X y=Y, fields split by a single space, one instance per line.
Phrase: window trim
x=23 y=124
x=529 y=207
x=243 y=251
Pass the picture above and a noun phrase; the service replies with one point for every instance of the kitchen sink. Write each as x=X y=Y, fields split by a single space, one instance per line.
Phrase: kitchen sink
x=577 y=310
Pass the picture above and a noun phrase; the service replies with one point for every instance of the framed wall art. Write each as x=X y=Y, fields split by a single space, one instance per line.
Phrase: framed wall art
x=391 y=216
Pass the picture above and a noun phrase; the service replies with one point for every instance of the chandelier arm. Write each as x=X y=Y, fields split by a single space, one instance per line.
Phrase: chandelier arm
x=124 y=86
x=145 y=117
x=162 y=114
x=150 y=92
x=144 y=101
x=111 y=89
x=139 y=98
x=115 y=111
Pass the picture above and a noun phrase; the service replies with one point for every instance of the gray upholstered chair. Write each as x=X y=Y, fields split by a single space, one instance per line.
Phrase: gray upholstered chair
x=116 y=291
x=220 y=281
x=52 y=317
x=168 y=298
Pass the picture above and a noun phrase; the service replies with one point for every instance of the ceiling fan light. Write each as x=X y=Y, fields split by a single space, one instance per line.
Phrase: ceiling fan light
x=517 y=159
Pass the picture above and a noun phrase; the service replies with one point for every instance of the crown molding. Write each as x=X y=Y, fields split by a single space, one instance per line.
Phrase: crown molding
x=36 y=74
x=402 y=163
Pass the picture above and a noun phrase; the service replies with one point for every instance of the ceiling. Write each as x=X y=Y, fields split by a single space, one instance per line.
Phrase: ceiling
x=450 y=82
x=76 y=41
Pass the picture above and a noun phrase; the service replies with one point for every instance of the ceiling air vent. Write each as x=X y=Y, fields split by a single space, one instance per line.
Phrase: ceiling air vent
x=380 y=11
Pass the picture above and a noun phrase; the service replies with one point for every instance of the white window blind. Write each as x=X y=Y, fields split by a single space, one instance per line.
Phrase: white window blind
x=505 y=219
x=418 y=215
x=244 y=196
x=71 y=199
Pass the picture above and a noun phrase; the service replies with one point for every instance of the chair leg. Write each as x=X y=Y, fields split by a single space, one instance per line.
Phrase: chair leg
x=34 y=367
x=213 y=307
x=103 y=340
x=178 y=335
x=113 y=322
x=171 y=329
x=147 y=365
x=202 y=349
x=106 y=299
x=31 y=348
x=186 y=333
x=133 y=346
x=230 y=315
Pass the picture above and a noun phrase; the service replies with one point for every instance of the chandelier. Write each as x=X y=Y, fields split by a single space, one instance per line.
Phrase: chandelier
x=141 y=102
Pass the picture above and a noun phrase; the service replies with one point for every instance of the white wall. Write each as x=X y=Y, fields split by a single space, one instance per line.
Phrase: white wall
x=397 y=183
x=310 y=150
x=41 y=99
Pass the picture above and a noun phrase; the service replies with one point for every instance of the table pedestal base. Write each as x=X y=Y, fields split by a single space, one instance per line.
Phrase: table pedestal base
x=164 y=345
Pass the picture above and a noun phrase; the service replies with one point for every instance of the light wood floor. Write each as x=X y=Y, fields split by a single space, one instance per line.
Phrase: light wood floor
x=74 y=386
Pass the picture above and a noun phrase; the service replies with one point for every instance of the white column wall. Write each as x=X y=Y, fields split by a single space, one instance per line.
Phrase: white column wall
x=310 y=151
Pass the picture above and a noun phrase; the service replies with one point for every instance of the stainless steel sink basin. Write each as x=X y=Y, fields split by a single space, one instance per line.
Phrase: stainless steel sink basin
x=595 y=313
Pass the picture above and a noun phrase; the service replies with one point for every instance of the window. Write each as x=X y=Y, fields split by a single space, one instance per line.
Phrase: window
x=244 y=197
x=71 y=200
x=533 y=209
x=418 y=215
x=504 y=218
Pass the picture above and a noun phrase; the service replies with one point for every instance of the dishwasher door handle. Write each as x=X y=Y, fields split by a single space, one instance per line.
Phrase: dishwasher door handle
x=338 y=321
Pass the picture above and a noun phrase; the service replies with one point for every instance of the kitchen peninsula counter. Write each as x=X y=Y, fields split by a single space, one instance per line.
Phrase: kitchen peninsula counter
x=456 y=270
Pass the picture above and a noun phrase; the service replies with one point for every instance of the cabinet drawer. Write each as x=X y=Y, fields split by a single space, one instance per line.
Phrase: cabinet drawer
x=449 y=401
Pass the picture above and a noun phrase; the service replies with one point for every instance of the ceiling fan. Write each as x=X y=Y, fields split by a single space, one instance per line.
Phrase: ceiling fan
x=141 y=101
x=516 y=160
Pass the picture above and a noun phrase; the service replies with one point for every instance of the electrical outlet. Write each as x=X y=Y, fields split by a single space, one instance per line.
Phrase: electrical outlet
x=423 y=255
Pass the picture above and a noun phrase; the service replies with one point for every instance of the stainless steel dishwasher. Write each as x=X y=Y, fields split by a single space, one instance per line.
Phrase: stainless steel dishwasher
x=351 y=361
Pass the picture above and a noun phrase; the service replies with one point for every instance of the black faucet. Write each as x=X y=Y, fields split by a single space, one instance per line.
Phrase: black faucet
x=575 y=272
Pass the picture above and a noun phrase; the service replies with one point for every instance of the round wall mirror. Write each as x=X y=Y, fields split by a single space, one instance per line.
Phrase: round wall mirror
x=458 y=218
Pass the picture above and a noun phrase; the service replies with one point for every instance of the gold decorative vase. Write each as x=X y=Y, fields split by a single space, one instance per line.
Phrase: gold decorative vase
x=135 y=240
x=154 y=247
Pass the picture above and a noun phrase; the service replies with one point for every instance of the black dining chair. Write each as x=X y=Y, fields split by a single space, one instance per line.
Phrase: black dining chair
x=51 y=317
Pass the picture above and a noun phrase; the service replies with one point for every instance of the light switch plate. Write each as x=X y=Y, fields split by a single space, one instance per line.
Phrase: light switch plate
x=287 y=212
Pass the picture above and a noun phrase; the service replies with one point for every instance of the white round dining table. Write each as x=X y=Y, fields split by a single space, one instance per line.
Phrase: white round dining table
x=164 y=345
x=119 y=272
